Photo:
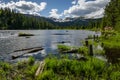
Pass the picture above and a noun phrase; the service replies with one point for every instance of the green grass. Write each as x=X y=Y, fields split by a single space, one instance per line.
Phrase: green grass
x=64 y=47
x=93 y=68
x=112 y=40
x=61 y=69
x=83 y=50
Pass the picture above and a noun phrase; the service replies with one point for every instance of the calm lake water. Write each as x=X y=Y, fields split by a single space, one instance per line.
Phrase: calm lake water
x=48 y=39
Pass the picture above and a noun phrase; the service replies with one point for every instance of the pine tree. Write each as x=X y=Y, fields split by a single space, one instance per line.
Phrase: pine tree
x=112 y=14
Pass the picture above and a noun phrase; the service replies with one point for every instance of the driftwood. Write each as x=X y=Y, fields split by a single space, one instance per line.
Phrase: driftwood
x=62 y=42
x=27 y=49
x=70 y=51
x=21 y=52
x=40 y=68
x=61 y=34
x=35 y=50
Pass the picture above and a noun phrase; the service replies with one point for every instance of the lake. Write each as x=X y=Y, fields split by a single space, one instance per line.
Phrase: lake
x=48 y=39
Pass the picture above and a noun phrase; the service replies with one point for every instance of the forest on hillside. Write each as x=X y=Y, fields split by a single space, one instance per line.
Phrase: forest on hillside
x=13 y=21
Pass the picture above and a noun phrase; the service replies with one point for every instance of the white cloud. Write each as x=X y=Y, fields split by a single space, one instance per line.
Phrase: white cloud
x=54 y=13
x=74 y=2
x=25 y=7
x=87 y=8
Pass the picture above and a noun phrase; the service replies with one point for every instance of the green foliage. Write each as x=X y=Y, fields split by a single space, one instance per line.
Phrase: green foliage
x=5 y=66
x=62 y=69
x=93 y=67
x=112 y=41
x=64 y=47
x=31 y=61
x=47 y=75
x=30 y=71
x=83 y=50
x=11 y=20
x=112 y=15
x=115 y=75
x=99 y=51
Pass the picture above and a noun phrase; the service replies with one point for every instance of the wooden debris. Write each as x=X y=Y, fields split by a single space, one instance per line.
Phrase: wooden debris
x=35 y=50
x=21 y=52
x=40 y=68
x=27 y=49
x=70 y=51
x=61 y=34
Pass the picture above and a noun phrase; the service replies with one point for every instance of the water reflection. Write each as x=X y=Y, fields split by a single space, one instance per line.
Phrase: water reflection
x=9 y=41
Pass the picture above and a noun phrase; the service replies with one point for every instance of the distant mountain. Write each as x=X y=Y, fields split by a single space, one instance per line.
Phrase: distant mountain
x=79 y=21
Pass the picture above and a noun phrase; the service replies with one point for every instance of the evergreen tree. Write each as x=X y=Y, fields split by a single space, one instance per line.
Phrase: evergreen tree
x=112 y=14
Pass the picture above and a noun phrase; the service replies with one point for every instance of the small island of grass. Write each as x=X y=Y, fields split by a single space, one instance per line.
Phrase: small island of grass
x=25 y=34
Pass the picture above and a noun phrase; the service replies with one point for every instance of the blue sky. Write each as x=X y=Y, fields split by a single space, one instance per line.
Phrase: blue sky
x=58 y=8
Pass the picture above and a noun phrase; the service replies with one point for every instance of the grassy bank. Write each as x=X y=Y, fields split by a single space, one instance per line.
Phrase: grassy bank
x=61 y=69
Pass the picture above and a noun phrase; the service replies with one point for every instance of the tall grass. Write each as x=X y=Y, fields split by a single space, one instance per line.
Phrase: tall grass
x=111 y=41
x=61 y=69
x=83 y=50
x=91 y=68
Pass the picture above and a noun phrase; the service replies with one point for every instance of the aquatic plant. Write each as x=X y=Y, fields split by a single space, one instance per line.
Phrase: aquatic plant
x=64 y=47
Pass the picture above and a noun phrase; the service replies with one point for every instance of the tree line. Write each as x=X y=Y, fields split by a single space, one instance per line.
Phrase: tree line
x=9 y=19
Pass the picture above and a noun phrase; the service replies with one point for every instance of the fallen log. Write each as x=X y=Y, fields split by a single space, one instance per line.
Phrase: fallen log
x=35 y=50
x=40 y=68
x=26 y=49
x=19 y=53
x=70 y=51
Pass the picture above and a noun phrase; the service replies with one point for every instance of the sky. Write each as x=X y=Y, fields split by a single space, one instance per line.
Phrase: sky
x=58 y=8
